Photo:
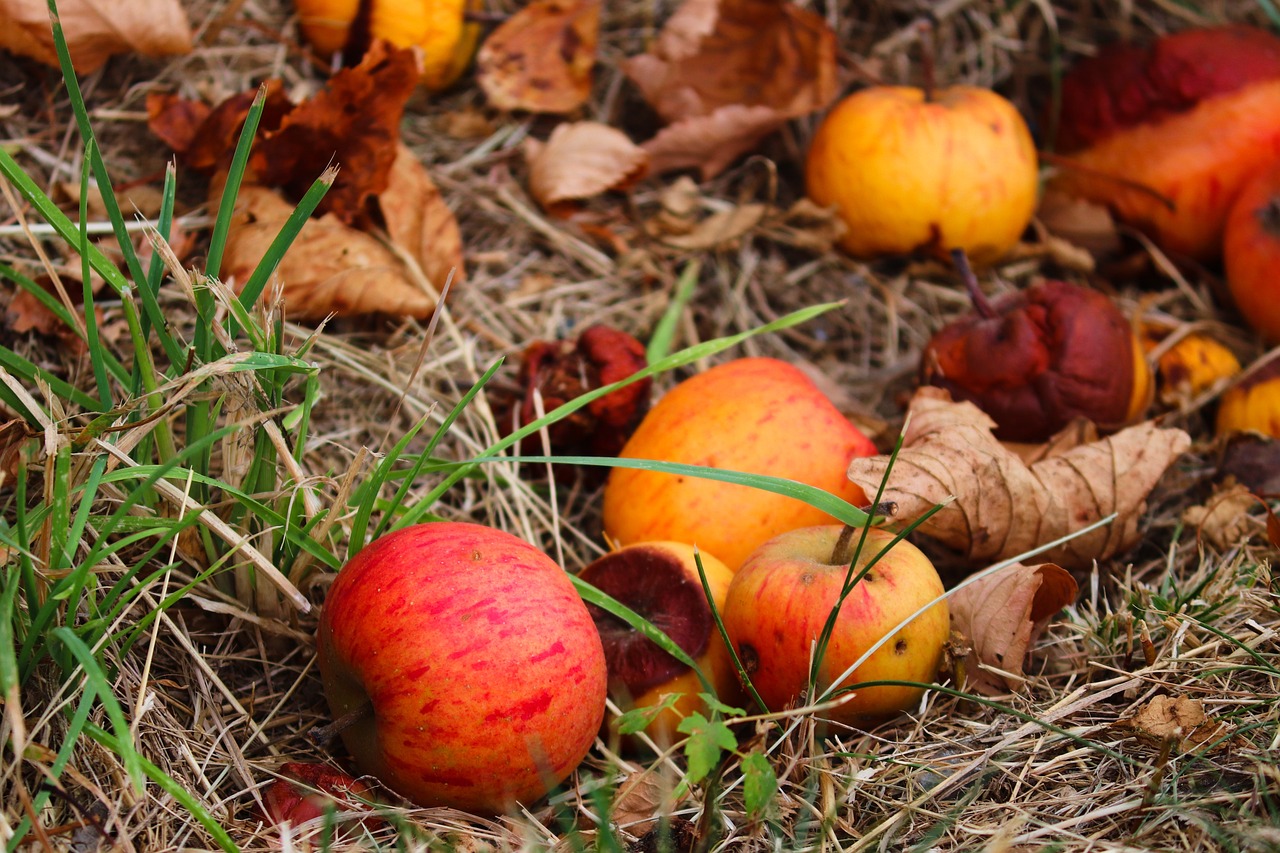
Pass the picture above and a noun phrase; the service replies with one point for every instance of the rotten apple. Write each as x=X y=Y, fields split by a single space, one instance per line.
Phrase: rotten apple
x=464 y=664
x=1251 y=253
x=1167 y=134
x=758 y=415
x=910 y=169
x=1037 y=359
x=660 y=581
x=780 y=600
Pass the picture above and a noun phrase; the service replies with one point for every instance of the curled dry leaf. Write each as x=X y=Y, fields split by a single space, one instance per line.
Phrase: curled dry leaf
x=540 y=59
x=726 y=73
x=1177 y=719
x=331 y=268
x=419 y=222
x=1004 y=507
x=581 y=160
x=1003 y=614
x=95 y=29
x=720 y=229
x=1223 y=519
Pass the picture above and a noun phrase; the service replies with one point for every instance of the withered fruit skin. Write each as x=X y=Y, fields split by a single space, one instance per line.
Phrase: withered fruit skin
x=1128 y=84
x=1052 y=353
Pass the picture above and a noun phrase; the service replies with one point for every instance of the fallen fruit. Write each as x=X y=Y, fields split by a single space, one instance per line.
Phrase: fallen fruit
x=1192 y=366
x=465 y=665
x=911 y=170
x=439 y=28
x=758 y=415
x=659 y=581
x=1251 y=253
x=1173 y=130
x=1037 y=359
x=1254 y=404
x=780 y=599
x=306 y=791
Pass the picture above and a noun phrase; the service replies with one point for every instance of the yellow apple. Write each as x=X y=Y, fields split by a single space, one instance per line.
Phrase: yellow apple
x=909 y=172
x=758 y=415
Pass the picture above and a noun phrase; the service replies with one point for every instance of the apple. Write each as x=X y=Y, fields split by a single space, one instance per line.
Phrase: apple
x=780 y=599
x=660 y=581
x=758 y=415
x=1166 y=134
x=469 y=663
x=305 y=790
x=1251 y=253
x=1252 y=405
x=1037 y=359
x=910 y=169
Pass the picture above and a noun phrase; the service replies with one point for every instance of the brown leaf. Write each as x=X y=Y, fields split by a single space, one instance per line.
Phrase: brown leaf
x=1004 y=507
x=581 y=160
x=1004 y=613
x=540 y=59
x=419 y=222
x=720 y=229
x=205 y=138
x=1177 y=719
x=769 y=59
x=13 y=435
x=95 y=29
x=1224 y=518
x=640 y=801
x=1087 y=225
x=353 y=123
x=331 y=268
x=711 y=142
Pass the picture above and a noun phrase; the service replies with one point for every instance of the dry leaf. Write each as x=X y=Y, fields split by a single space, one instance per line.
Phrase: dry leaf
x=1079 y=431
x=639 y=802
x=1224 y=518
x=1254 y=460
x=581 y=160
x=420 y=223
x=1083 y=223
x=13 y=435
x=95 y=29
x=1003 y=614
x=331 y=268
x=540 y=59
x=720 y=229
x=1003 y=507
x=769 y=61
x=1177 y=719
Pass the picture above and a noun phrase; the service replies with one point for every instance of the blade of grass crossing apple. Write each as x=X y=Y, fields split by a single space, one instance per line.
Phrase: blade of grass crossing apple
x=94 y=155
x=591 y=595
x=679 y=359
x=105 y=398
x=665 y=331
x=425 y=456
x=743 y=675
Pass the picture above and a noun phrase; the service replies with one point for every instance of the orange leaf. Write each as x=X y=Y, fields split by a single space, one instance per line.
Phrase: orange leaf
x=95 y=29
x=770 y=56
x=420 y=223
x=581 y=160
x=541 y=58
x=331 y=268
x=1003 y=614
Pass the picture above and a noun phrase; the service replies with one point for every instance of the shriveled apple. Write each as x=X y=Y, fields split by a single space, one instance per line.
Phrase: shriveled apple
x=913 y=169
x=1251 y=253
x=758 y=415
x=660 y=581
x=780 y=599
x=1038 y=359
x=1173 y=131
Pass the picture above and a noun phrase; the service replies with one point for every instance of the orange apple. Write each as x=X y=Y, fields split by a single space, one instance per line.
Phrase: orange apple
x=659 y=580
x=1251 y=253
x=466 y=663
x=1254 y=404
x=907 y=171
x=758 y=415
x=779 y=602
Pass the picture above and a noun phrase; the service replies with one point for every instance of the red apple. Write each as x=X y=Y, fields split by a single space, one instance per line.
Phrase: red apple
x=780 y=599
x=1251 y=252
x=480 y=668
x=758 y=415
x=660 y=581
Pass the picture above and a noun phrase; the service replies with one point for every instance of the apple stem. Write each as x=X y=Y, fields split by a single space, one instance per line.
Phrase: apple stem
x=842 y=554
x=928 y=71
x=321 y=735
x=981 y=303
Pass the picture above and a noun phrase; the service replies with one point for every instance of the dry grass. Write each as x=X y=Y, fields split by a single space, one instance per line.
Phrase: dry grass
x=219 y=697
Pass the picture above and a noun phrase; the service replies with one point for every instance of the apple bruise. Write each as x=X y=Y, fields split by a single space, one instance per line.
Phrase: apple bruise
x=654 y=584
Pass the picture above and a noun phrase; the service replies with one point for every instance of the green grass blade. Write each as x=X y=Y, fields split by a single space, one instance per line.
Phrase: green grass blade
x=105 y=399
x=235 y=177
x=665 y=331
